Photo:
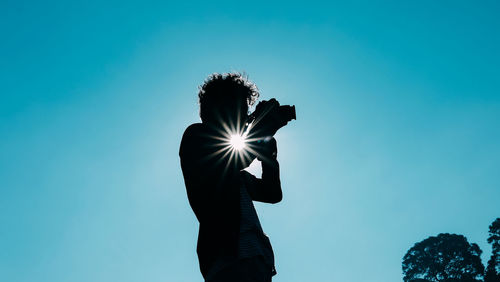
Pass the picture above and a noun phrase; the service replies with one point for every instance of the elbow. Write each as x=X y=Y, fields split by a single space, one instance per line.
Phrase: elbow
x=276 y=198
x=277 y=194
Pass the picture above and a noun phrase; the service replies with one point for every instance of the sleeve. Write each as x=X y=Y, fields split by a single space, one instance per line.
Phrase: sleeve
x=268 y=188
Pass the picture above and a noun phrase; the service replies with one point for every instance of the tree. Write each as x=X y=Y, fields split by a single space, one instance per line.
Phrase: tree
x=446 y=257
x=493 y=269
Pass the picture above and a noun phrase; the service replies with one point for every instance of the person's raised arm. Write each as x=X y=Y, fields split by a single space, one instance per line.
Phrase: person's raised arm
x=268 y=188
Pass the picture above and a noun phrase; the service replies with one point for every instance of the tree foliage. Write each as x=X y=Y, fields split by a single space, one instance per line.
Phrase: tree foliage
x=446 y=257
x=493 y=269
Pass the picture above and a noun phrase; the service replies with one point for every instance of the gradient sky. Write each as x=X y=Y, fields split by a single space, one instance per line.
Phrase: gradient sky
x=397 y=133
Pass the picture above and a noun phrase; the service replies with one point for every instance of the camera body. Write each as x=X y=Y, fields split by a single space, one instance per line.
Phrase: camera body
x=268 y=117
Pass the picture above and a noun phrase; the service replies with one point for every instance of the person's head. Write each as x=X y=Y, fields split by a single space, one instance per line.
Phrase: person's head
x=226 y=98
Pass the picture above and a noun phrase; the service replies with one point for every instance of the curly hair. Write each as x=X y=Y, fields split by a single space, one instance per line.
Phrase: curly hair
x=218 y=89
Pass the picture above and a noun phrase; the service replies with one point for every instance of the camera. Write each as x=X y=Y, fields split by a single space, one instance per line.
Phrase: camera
x=268 y=117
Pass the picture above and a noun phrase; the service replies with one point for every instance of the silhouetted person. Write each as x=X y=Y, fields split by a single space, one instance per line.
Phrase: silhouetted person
x=231 y=244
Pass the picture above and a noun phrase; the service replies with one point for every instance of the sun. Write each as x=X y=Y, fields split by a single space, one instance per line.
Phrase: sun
x=237 y=142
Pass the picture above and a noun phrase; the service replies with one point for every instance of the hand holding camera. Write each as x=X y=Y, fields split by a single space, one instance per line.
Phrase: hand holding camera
x=267 y=150
x=263 y=123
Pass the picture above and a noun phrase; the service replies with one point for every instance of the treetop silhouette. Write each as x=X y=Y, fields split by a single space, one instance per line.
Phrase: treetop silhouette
x=493 y=269
x=445 y=257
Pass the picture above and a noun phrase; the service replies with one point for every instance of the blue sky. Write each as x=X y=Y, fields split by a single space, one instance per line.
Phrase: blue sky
x=396 y=138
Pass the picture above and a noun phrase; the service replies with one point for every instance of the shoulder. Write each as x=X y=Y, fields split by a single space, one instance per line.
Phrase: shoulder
x=194 y=131
x=190 y=136
x=194 y=128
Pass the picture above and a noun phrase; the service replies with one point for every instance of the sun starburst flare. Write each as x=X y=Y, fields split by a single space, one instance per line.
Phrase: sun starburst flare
x=234 y=144
x=237 y=142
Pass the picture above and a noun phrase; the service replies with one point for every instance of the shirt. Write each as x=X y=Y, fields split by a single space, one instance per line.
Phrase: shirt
x=252 y=240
